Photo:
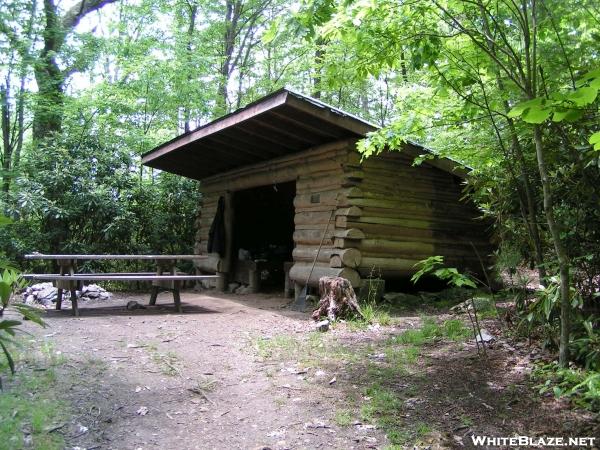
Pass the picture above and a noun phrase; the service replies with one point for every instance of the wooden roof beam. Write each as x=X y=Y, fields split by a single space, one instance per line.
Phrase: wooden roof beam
x=220 y=124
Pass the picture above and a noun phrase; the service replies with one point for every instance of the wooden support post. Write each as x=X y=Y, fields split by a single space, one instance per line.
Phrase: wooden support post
x=176 y=297
x=221 y=281
x=59 y=296
x=74 y=302
x=153 y=295
x=175 y=286
x=227 y=261
x=253 y=280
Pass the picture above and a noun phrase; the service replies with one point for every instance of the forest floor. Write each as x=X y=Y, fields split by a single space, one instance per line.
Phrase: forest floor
x=244 y=372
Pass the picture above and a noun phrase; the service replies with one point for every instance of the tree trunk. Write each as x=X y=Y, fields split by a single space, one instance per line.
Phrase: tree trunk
x=561 y=251
x=48 y=111
x=232 y=16
x=319 y=54
x=193 y=11
x=338 y=299
x=6 y=144
x=50 y=79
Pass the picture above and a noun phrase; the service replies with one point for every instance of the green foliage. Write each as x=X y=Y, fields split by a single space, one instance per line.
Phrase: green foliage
x=569 y=106
x=581 y=386
x=453 y=329
x=10 y=279
x=434 y=266
x=101 y=203
x=26 y=403
x=586 y=348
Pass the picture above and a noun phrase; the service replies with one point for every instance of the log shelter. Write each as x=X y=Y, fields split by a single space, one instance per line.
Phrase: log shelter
x=287 y=170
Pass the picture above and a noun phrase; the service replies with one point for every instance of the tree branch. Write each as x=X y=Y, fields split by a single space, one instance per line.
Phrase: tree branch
x=74 y=15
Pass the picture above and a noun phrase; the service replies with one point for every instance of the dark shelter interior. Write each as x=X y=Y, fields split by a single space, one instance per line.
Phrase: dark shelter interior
x=263 y=230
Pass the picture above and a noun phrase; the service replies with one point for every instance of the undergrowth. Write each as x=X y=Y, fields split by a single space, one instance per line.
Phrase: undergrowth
x=452 y=329
x=581 y=386
x=30 y=413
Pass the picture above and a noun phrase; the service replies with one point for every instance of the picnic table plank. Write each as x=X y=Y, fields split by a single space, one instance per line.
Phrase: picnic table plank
x=68 y=278
x=105 y=277
x=115 y=257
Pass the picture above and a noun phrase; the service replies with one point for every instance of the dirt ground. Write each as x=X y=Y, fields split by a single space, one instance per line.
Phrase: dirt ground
x=244 y=372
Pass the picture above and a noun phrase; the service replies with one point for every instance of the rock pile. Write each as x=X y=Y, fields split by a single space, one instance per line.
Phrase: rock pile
x=45 y=294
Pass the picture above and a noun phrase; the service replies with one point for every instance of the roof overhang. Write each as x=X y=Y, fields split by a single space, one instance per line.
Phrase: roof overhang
x=277 y=125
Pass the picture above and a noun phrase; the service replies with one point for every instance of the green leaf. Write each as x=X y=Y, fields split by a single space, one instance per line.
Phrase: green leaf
x=595 y=140
x=583 y=96
x=557 y=391
x=520 y=108
x=271 y=32
x=590 y=75
x=5 y=291
x=7 y=324
x=5 y=220
x=11 y=362
x=30 y=313
x=536 y=115
x=566 y=114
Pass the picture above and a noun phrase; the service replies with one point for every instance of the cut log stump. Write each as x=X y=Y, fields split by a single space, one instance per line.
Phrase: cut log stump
x=338 y=299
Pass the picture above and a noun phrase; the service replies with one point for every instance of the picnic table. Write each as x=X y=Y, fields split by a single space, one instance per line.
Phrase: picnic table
x=165 y=277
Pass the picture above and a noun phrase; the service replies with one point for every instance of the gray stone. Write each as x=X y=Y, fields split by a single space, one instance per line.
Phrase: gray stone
x=231 y=287
x=243 y=290
x=45 y=294
x=323 y=325
x=484 y=336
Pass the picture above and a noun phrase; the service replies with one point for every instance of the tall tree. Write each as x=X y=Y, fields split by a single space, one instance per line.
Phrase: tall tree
x=49 y=75
x=490 y=56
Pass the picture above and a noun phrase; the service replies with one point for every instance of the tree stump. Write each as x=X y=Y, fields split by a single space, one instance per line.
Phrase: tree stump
x=338 y=299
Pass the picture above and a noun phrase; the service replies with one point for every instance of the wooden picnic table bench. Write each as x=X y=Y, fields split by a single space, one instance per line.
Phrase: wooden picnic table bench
x=165 y=277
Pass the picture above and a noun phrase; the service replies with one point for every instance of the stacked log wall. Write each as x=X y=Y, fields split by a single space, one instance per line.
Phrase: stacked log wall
x=407 y=214
x=386 y=215
x=319 y=176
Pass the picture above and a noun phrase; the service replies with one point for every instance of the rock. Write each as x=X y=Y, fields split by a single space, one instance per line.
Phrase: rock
x=231 y=287
x=242 y=290
x=412 y=402
x=322 y=326
x=484 y=336
x=45 y=294
x=142 y=411
x=132 y=304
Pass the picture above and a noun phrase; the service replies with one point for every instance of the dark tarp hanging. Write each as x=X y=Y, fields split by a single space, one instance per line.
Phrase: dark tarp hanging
x=216 y=235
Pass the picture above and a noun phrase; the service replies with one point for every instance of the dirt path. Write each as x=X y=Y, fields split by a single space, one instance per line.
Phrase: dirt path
x=241 y=372
x=155 y=379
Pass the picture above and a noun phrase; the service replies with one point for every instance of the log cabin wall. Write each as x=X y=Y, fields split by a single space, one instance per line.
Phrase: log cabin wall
x=382 y=216
x=319 y=175
x=407 y=214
